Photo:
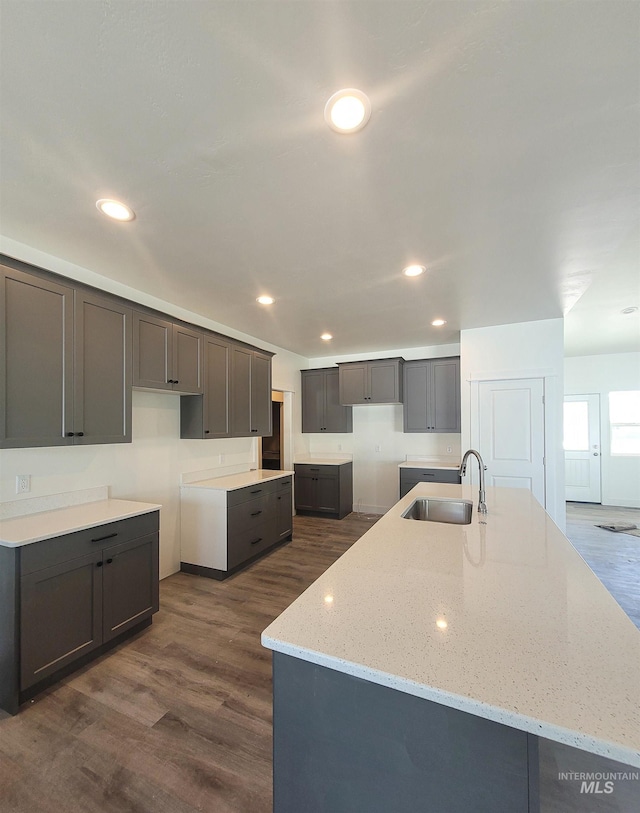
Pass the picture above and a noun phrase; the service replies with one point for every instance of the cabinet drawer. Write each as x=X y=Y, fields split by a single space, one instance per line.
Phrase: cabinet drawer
x=240 y=495
x=309 y=470
x=249 y=542
x=250 y=514
x=429 y=476
x=282 y=484
x=51 y=552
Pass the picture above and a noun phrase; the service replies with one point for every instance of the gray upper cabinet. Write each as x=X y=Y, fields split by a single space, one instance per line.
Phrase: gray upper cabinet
x=321 y=407
x=102 y=371
x=371 y=382
x=432 y=395
x=250 y=392
x=36 y=355
x=207 y=416
x=166 y=355
x=68 y=381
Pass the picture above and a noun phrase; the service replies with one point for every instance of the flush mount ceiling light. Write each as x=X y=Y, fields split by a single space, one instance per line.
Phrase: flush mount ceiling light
x=115 y=210
x=413 y=270
x=265 y=300
x=438 y=322
x=347 y=111
x=627 y=311
x=326 y=337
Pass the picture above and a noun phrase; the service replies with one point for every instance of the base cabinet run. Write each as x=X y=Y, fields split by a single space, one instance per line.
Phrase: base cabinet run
x=224 y=531
x=326 y=490
x=71 y=598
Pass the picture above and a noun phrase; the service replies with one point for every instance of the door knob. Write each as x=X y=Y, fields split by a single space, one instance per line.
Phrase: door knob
x=595 y=454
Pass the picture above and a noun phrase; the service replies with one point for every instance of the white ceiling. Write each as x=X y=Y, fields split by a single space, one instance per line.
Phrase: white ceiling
x=503 y=152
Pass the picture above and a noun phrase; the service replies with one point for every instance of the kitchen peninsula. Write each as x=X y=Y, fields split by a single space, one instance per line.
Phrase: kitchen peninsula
x=419 y=671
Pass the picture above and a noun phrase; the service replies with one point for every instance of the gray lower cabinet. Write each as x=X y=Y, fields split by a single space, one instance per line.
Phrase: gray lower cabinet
x=166 y=355
x=250 y=392
x=411 y=477
x=326 y=490
x=71 y=598
x=208 y=416
x=432 y=395
x=221 y=532
x=65 y=364
x=321 y=407
x=371 y=382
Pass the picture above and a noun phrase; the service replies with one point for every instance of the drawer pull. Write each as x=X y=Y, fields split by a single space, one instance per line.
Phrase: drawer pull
x=108 y=536
x=109 y=561
x=256 y=513
x=98 y=564
x=255 y=541
x=258 y=491
x=314 y=469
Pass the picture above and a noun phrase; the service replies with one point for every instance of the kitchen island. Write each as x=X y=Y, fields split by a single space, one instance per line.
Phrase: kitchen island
x=419 y=671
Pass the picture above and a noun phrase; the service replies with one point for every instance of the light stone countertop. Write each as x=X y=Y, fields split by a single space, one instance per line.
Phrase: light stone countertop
x=324 y=461
x=231 y=482
x=31 y=528
x=503 y=620
x=430 y=463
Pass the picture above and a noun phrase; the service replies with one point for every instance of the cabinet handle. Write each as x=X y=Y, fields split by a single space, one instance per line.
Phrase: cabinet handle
x=314 y=469
x=175 y=381
x=108 y=536
x=254 y=430
x=80 y=434
x=258 y=491
x=256 y=513
x=206 y=431
x=70 y=434
x=255 y=541
x=109 y=561
x=98 y=564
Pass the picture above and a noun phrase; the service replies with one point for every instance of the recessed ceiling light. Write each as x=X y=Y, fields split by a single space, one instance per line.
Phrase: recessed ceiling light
x=326 y=337
x=627 y=311
x=265 y=300
x=413 y=270
x=347 y=111
x=438 y=322
x=115 y=210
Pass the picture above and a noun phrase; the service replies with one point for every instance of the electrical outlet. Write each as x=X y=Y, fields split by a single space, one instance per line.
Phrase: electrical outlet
x=339 y=447
x=222 y=458
x=23 y=483
x=378 y=448
x=448 y=449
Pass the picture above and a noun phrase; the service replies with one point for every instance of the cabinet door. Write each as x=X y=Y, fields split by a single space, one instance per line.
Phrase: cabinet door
x=60 y=616
x=261 y=413
x=354 y=382
x=130 y=592
x=384 y=382
x=36 y=361
x=216 y=399
x=445 y=395
x=284 y=513
x=187 y=356
x=328 y=493
x=240 y=392
x=152 y=351
x=102 y=371
x=306 y=492
x=313 y=400
x=416 y=396
x=338 y=418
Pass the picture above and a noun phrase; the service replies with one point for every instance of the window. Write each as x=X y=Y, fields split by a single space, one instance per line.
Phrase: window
x=576 y=426
x=624 y=418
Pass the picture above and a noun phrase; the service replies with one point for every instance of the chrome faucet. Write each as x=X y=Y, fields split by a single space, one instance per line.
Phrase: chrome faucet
x=482 y=506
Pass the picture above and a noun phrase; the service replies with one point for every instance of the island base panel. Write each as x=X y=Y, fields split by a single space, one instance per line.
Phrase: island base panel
x=345 y=745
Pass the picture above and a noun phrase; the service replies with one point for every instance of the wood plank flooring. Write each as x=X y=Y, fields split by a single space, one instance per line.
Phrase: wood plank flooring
x=179 y=719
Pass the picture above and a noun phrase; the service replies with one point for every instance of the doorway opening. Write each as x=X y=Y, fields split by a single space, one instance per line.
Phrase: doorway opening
x=581 y=441
x=272 y=447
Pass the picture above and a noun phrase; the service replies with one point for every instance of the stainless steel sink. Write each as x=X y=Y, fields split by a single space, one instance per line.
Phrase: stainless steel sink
x=429 y=509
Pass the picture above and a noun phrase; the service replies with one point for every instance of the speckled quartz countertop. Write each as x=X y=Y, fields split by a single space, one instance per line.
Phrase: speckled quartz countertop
x=430 y=463
x=503 y=620
x=325 y=461
x=31 y=528
x=230 y=482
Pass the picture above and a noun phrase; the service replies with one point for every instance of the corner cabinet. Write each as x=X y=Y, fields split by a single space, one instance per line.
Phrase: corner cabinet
x=250 y=388
x=65 y=364
x=432 y=395
x=321 y=407
x=223 y=531
x=166 y=355
x=371 y=382
x=68 y=599
x=324 y=489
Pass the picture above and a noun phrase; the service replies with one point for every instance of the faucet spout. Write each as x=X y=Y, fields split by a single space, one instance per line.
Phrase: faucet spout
x=482 y=506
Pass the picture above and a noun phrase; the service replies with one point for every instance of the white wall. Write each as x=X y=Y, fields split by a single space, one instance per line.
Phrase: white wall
x=524 y=350
x=375 y=474
x=601 y=375
x=149 y=468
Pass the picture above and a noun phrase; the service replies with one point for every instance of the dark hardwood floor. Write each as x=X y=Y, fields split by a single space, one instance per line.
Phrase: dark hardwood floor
x=179 y=719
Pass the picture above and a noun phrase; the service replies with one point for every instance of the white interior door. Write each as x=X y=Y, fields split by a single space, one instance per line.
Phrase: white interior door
x=581 y=440
x=511 y=433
